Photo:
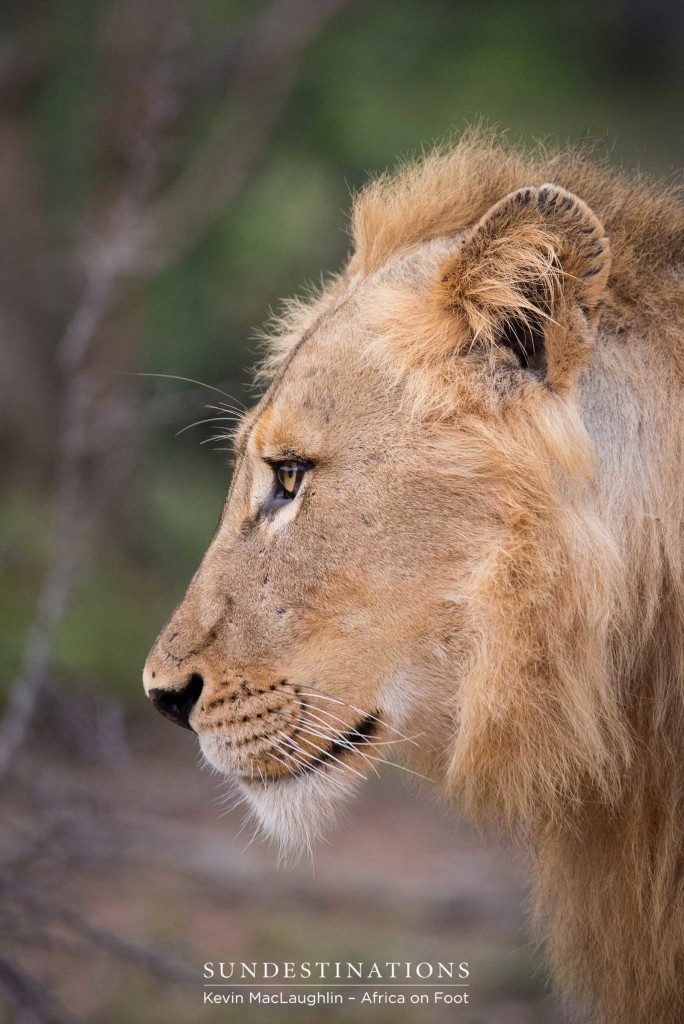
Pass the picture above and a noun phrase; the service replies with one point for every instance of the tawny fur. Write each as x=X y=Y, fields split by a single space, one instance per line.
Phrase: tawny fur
x=488 y=549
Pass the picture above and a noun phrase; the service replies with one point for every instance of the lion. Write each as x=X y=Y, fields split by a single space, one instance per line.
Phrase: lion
x=455 y=527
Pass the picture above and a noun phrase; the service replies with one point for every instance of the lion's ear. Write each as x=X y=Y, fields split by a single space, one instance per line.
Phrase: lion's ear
x=537 y=257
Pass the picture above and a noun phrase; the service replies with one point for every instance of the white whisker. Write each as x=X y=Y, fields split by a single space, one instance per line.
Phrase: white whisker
x=345 y=744
x=332 y=757
x=198 y=423
x=287 y=767
x=217 y=437
x=311 y=767
x=222 y=407
x=349 y=727
x=379 y=760
x=360 y=711
x=189 y=380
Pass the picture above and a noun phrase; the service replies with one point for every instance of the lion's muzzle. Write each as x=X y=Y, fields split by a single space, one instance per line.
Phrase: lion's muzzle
x=255 y=726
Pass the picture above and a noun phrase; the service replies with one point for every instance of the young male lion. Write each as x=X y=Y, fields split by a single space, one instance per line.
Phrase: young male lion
x=457 y=512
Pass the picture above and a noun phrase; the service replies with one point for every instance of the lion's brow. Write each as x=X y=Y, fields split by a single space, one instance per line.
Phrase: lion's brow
x=265 y=403
x=269 y=397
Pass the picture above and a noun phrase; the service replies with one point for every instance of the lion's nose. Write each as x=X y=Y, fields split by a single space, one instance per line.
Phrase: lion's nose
x=176 y=704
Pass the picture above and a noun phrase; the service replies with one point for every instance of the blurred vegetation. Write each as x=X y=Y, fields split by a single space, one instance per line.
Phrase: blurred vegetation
x=384 y=79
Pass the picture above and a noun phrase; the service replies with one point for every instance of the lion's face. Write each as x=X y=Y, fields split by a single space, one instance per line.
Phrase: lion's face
x=318 y=609
x=362 y=561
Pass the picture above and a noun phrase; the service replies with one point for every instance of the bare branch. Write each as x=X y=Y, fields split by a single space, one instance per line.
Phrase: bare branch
x=114 y=256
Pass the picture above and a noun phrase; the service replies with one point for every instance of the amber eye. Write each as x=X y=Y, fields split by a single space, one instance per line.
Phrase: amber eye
x=290 y=476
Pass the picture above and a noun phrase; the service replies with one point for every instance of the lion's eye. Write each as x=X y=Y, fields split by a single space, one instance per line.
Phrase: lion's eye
x=290 y=476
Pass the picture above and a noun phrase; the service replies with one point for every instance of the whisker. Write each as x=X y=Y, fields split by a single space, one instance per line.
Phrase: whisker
x=368 y=741
x=381 y=760
x=311 y=767
x=294 y=750
x=287 y=767
x=348 y=726
x=302 y=757
x=402 y=768
x=297 y=753
x=308 y=709
x=189 y=380
x=348 y=744
x=223 y=407
x=330 y=736
x=345 y=744
x=360 y=711
x=347 y=704
x=332 y=757
x=198 y=423
x=289 y=749
x=335 y=736
x=217 y=437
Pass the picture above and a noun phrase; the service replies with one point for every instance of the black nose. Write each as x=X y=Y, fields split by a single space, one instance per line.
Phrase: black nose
x=177 y=705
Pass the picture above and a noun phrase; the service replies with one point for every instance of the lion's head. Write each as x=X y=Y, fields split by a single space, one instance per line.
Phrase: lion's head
x=415 y=549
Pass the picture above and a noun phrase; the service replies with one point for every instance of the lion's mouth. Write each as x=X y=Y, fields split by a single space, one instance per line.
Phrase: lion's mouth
x=343 y=745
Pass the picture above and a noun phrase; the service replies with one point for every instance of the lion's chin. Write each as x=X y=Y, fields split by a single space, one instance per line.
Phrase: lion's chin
x=296 y=811
x=292 y=810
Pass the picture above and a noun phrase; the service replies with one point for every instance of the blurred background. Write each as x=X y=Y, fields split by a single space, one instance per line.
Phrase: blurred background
x=169 y=171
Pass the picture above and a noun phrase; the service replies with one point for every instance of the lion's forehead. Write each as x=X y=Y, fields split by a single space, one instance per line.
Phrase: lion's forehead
x=328 y=393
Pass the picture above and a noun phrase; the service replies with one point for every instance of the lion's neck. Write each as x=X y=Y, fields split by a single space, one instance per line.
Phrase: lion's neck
x=611 y=878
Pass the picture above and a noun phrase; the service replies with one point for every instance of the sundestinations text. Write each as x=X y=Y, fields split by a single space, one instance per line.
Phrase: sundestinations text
x=333 y=970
